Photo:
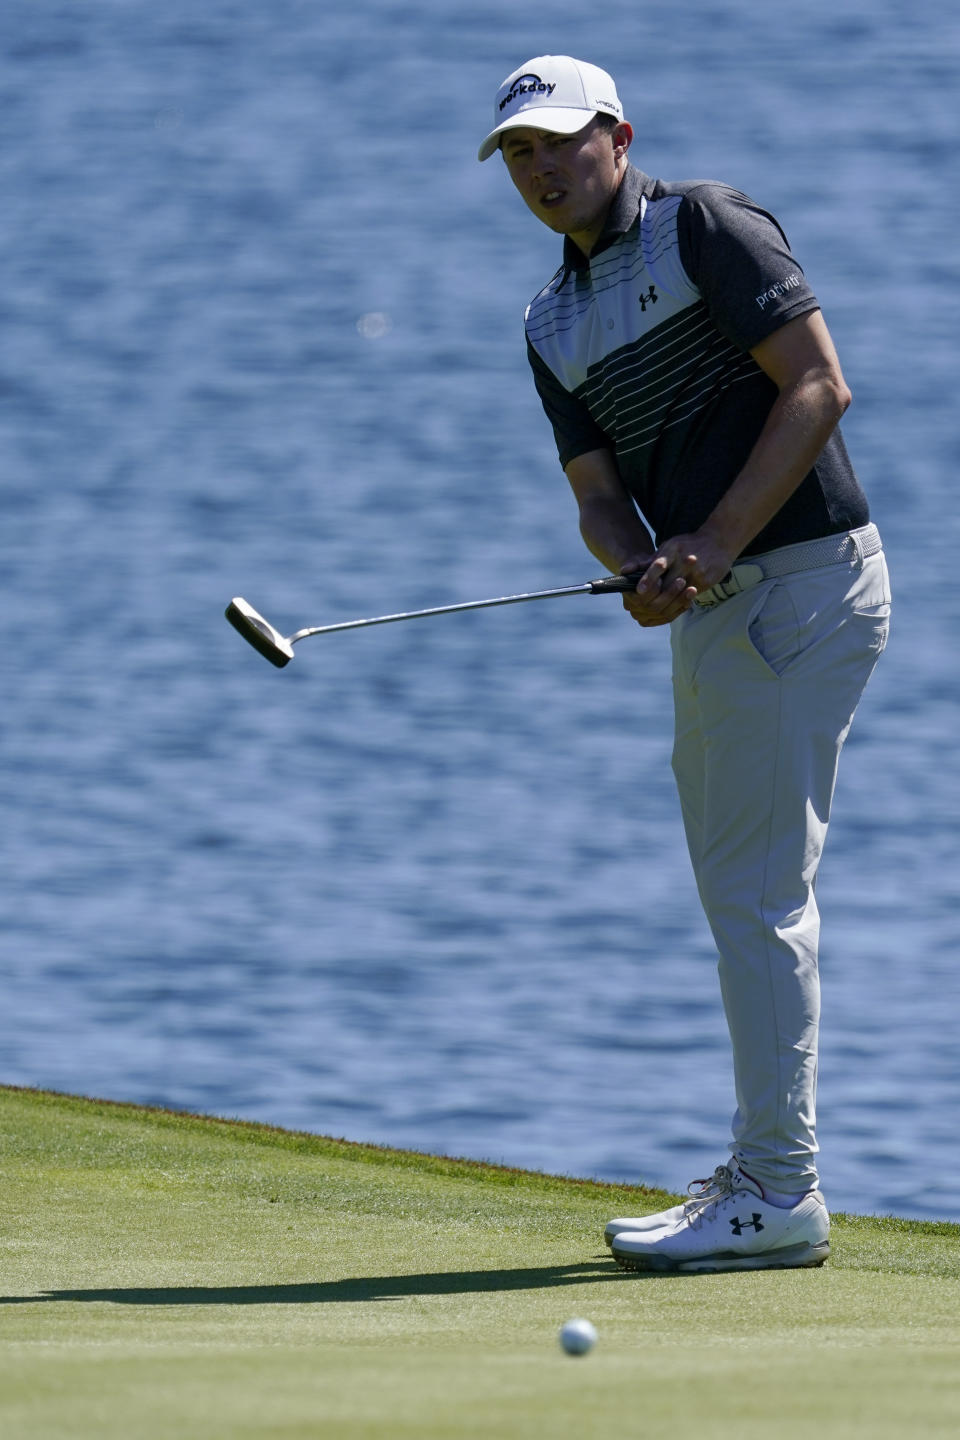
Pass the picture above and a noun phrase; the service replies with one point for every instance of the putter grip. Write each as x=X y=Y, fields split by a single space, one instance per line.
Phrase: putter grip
x=612 y=584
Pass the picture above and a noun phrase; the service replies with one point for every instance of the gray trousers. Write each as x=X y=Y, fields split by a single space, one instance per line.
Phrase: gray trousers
x=765 y=687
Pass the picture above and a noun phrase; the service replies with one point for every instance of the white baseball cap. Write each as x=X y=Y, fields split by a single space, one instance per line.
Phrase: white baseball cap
x=551 y=92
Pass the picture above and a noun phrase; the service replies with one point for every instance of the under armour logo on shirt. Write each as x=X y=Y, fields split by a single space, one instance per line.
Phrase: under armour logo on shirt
x=651 y=296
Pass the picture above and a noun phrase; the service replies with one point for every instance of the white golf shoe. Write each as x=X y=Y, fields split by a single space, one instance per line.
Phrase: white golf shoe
x=729 y=1226
x=699 y=1191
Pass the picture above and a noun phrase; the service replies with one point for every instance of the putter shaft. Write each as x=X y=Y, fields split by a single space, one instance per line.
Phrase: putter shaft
x=587 y=589
x=278 y=649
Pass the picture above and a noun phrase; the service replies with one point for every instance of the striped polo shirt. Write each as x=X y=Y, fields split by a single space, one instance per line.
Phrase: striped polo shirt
x=644 y=349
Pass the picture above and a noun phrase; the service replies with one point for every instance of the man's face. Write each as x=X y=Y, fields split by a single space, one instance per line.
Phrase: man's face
x=568 y=181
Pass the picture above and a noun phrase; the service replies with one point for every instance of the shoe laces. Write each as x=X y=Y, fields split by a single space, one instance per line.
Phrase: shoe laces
x=709 y=1194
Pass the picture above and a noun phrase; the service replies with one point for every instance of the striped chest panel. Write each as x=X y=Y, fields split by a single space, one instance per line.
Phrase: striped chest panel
x=630 y=336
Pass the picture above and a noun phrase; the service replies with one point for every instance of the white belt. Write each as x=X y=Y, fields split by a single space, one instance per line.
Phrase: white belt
x=851 y=546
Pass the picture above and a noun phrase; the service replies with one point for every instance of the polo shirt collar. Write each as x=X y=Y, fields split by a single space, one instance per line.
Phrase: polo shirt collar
x=623 y=212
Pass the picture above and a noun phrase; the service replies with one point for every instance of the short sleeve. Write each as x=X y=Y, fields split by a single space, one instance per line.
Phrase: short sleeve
x=574 y=428
x=739 y=259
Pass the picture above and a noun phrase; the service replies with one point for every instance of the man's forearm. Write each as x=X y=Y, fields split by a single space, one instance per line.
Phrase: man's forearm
x=613 y=532
x=812 y=395
x=799 y=425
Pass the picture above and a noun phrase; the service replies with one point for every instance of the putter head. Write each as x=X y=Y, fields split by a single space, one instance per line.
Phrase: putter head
x=259 y=632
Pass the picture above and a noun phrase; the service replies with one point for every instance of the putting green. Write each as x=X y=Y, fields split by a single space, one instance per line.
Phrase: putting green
x=168 y=1276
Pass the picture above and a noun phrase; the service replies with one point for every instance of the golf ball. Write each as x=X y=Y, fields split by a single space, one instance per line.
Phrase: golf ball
x=578 y=1337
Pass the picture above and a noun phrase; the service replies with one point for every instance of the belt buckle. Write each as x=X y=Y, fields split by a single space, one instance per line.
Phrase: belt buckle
x=741 y=577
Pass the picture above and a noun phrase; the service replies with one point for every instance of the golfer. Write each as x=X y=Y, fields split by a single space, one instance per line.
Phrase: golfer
x=694 y=393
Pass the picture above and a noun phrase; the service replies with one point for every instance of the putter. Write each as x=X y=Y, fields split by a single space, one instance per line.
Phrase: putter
x=278 y=649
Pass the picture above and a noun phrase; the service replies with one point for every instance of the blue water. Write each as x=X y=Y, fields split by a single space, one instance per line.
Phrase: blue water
x=261 y=321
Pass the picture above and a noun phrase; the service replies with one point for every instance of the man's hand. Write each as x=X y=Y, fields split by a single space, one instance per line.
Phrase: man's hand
x=657 y=600
x=681 y=568
x=697 y=559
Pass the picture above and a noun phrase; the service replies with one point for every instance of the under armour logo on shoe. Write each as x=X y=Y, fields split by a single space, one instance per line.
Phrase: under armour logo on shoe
x=738 y=1226
x=651 y=297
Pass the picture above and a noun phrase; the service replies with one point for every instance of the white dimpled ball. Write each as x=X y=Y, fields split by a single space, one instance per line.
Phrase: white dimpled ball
x=578 y=1337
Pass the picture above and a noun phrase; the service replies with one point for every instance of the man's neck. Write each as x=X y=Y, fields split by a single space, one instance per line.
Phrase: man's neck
x=620 y=215
x=586 y=240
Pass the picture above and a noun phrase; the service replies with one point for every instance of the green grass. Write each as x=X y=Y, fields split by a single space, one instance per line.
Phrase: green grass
x=171 y=1276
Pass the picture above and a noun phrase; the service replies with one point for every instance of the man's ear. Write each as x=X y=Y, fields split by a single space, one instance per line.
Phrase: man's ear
x=622 y=137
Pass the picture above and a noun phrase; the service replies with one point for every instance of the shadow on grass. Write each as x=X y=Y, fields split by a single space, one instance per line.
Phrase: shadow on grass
x=333 y=1292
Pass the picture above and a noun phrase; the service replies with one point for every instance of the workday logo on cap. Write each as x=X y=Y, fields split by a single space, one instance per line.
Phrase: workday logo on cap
x=526 y=85
x=552 y=92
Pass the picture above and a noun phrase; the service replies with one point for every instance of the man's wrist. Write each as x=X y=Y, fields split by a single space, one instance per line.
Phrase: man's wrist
x=636 y=563
x=725 y=535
